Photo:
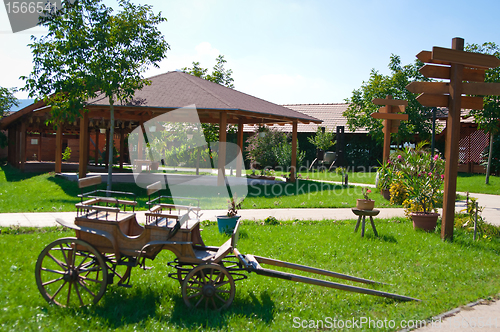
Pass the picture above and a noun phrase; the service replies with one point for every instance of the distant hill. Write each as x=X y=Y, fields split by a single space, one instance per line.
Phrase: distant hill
x=22 y=104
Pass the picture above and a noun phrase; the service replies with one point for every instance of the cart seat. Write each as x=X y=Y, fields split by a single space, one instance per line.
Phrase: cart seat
x=214 y=254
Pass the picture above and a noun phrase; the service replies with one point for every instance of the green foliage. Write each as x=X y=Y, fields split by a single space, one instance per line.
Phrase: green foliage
x=283 y=155
x=89 y=51
x=322 y=140
x=66 y=154
x=398 y=192
x=487 y=118
x=271 y=221
x=359 y=112
x=466 y=218
x=385 y=175
x=273 y=149
x=7 y=100
x=495 y=157
x=421 y=174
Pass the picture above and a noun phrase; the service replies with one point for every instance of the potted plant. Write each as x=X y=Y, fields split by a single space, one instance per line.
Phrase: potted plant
x=228 y=222
x=366 y=203
x=322 y=140
x=422 y=175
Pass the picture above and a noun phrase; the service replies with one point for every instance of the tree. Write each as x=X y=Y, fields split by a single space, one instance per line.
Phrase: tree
x=488 y=118
x=379 y=86
x=7 y=100
x=220 y=76
x=89 y=51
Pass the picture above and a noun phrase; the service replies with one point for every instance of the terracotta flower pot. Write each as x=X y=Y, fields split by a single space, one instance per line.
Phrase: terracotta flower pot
x=425 y=221
x=386 y=193
x=365 y=204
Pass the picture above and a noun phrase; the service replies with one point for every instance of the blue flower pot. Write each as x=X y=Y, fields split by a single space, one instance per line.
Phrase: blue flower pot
x=227 y=224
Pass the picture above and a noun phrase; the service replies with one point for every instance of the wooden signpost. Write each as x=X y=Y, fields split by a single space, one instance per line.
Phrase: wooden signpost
x=391 y=119
x=458 y=66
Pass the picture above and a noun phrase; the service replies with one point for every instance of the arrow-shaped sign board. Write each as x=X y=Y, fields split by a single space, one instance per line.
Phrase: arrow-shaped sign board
x=438 y=88
x=432 y=71
x=465 y=58
x=390 y=116
x=434 y=100
x=395 y=102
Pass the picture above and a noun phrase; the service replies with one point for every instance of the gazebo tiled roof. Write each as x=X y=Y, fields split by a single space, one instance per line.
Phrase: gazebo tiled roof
x=176 y=89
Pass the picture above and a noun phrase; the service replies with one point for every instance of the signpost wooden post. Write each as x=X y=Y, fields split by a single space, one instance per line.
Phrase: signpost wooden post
x=458 y=66
x=391 y=119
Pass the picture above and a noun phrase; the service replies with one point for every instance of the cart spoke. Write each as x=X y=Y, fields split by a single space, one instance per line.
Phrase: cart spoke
x=87 y=255
x=57 y=292
x=53 y=271
x=64 y=255
x=58 y=262
x=90 y=279
x=194 y=295
x=52 y=281
x=69 y=294
x=213 y=302
x=220 y=298
x=219 y=285
x=84 y=287
x=79 y=296
x=223 y=291
x=199 y=301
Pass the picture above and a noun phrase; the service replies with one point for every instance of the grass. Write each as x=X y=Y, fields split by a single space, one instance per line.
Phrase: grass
x=475 y=183
x=30 y=192
x=444 y=275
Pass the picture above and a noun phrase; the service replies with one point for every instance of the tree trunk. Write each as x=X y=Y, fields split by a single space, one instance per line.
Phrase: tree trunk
x=488 y=168
x=111 y=145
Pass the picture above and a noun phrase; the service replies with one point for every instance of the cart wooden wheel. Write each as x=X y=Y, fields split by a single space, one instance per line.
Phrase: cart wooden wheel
x=70 y=273
x=208 y=286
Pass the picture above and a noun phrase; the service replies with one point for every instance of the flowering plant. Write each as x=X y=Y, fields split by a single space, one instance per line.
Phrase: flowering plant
x=422 y=175
x=233 y=204
x=365 y=192
x=385 y=175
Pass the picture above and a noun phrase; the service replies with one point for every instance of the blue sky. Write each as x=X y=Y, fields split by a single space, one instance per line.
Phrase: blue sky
x=293 y=51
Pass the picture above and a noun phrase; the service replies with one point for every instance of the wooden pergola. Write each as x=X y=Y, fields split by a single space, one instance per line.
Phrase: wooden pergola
x=170 y=91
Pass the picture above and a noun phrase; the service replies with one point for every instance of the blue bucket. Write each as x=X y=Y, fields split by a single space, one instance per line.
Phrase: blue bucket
x=227 y=224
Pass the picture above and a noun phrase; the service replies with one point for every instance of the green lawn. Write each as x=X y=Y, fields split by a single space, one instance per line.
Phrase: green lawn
x=475 y=183
x=443 y=275
x=29 y=192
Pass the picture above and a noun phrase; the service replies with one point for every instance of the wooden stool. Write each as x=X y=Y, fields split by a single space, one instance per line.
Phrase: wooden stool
x=363 y=214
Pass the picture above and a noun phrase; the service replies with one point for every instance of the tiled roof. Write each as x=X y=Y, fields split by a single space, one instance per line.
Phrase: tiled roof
x=331 y=114
x=176 y=89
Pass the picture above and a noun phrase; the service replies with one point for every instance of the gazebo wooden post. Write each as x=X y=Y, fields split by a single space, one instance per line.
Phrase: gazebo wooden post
x=84 y=141
x=96 y=150
x=240 y=144
x=222 y=149
x=58 y=159
x=122 y=147
x=22 y=146
x=293 y=170
x=18 y=146
x=39 y=146
x=108 y=146
x=12 y=145
x=139 y=143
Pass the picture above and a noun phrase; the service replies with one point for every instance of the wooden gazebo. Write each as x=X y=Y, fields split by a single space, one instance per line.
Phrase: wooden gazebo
x=214 y=103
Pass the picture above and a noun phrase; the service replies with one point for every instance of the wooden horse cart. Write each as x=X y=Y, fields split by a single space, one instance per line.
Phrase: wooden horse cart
x=109 y=242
